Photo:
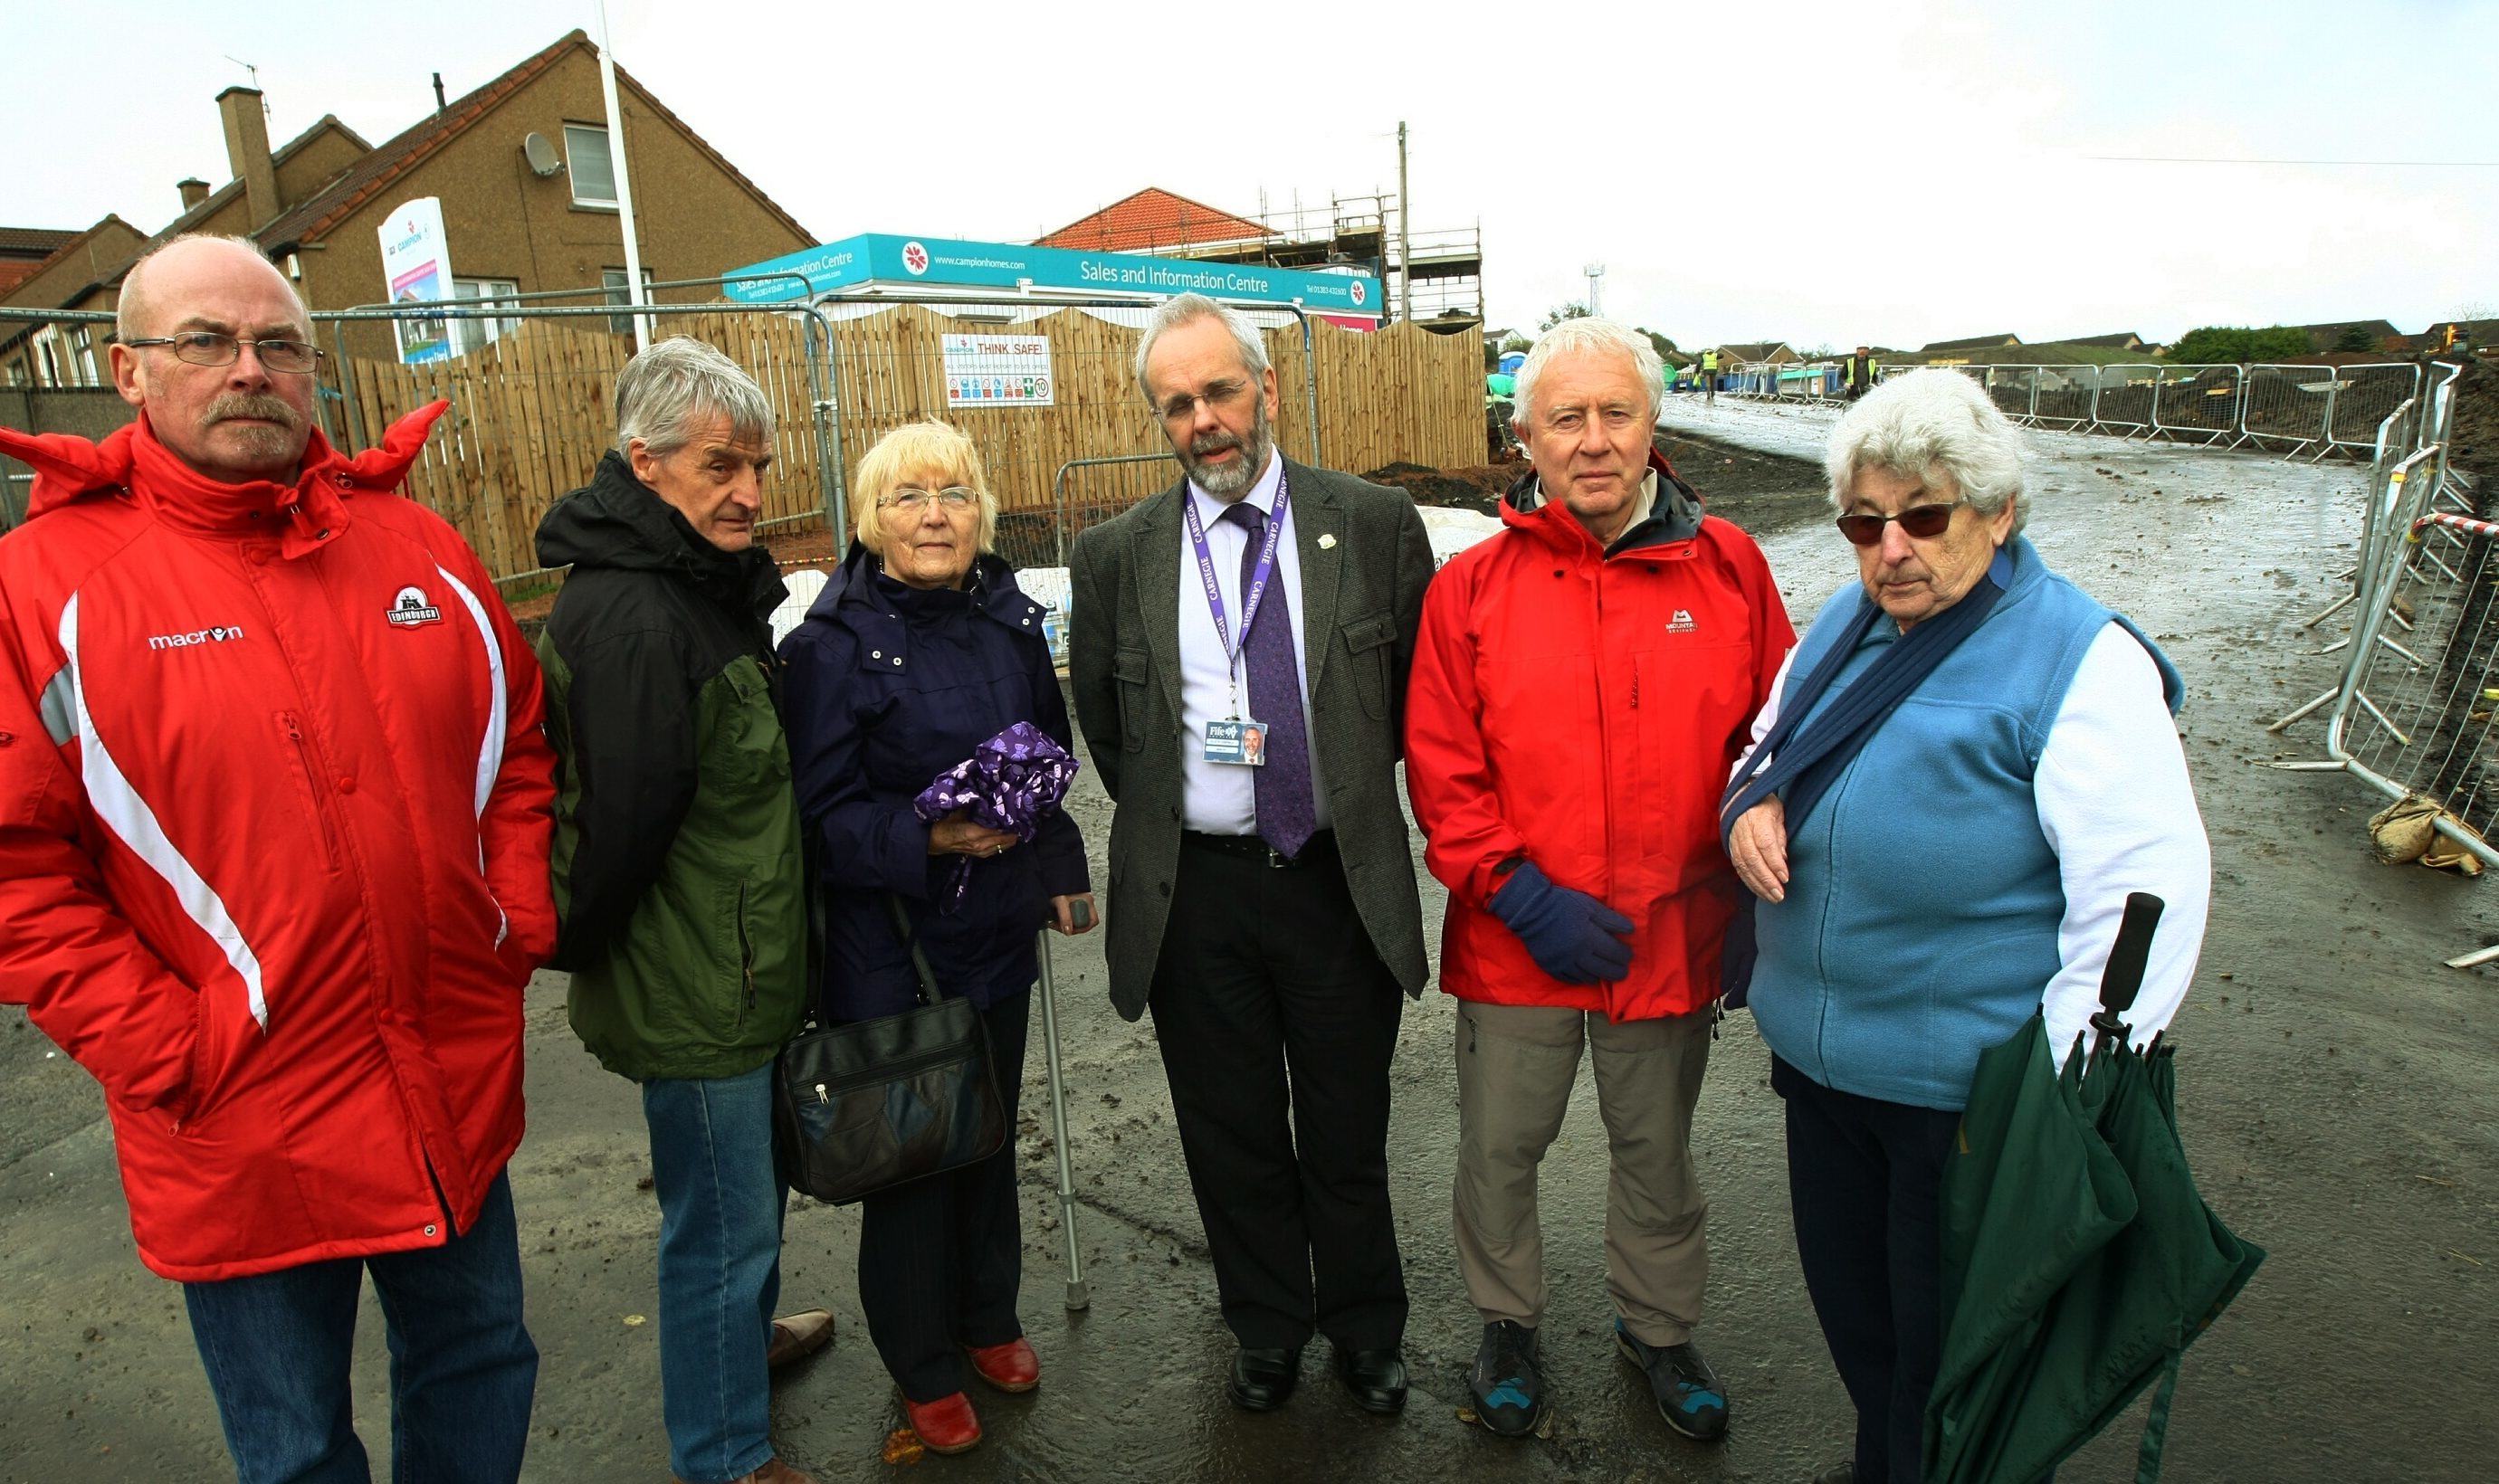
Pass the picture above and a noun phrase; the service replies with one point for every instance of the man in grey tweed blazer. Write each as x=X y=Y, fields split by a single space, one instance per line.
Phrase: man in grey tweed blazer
x=1262 y=897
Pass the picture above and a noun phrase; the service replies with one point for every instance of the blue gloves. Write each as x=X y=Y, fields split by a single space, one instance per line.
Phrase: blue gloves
x=1570 y=934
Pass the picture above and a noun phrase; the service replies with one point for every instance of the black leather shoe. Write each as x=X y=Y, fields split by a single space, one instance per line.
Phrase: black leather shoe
x=1261 y=1379
x=1376 y=1377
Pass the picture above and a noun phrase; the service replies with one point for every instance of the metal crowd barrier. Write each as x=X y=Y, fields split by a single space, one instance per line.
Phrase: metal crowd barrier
x=2411 y=714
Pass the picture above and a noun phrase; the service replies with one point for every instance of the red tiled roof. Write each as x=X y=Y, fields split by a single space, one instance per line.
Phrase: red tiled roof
x=15 y=270
x=1152 y=217
x=34 y=243
x=373 y=175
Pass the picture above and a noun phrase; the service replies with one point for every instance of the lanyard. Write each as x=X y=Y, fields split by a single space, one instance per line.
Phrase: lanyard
x=1260 y=575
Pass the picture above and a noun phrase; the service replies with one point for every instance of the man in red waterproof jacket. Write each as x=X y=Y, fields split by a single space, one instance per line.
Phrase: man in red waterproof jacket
x=1581 y=684
x=274 y=812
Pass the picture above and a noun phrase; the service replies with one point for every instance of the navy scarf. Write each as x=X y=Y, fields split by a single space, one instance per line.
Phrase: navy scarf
x=1806 y=753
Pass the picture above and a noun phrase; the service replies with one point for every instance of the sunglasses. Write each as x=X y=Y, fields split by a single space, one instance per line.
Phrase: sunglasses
x=1924 y=521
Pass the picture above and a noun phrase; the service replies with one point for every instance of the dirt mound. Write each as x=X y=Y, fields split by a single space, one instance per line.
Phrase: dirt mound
x=2473 y=436
x=1478 y=487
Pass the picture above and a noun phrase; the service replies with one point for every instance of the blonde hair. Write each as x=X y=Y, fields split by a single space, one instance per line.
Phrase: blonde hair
x=921 y=449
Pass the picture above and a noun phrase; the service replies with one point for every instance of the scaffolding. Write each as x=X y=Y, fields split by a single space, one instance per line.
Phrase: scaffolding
x=1357 y=231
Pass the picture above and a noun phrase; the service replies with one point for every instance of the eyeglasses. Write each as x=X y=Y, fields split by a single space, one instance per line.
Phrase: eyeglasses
x=209 y=347
x=1924 y=521
x=953 y=499
x=1223 y=396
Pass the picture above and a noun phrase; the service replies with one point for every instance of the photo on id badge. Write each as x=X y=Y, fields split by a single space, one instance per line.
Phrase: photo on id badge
x=1237 y=741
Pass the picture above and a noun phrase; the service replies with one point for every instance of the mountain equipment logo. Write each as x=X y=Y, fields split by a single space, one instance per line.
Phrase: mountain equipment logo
x=195 y=636
x=411 y=609
x=1682 y=623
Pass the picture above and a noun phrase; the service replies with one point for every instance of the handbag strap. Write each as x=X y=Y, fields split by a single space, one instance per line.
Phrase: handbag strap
x=911 y=942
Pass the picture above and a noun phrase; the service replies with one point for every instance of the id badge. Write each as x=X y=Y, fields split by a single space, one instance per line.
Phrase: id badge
x=1239 y=743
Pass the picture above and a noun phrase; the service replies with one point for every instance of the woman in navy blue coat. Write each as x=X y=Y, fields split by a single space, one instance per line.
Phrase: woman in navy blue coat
x=920 y=649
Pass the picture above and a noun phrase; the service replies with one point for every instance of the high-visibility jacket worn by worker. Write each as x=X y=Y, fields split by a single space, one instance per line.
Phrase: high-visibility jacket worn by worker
x=1581 y=709
x=273 y=820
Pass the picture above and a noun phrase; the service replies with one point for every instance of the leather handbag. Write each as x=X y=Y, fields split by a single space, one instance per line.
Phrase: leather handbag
x=866 y=1107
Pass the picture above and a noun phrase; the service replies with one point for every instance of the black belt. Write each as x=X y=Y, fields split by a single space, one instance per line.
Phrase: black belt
x=1250 y=848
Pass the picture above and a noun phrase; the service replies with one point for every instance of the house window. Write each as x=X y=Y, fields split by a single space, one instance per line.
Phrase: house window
x=587 y=161
x=82 y=366
x=48 y=356
x=613 y=281
x=467 y=335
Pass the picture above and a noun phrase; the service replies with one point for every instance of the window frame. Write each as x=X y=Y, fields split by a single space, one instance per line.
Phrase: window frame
x=572 y=178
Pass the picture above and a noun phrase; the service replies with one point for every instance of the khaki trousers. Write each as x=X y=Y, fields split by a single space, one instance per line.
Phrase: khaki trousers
x=1516 y=1064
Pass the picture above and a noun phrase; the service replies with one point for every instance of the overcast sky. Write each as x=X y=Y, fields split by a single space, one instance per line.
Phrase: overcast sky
x=1823 y=173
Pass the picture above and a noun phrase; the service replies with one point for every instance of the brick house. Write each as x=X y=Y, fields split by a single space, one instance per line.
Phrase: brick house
x=514 y=225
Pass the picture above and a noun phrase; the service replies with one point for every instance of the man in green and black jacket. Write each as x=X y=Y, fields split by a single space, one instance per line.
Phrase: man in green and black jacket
x=678 y=866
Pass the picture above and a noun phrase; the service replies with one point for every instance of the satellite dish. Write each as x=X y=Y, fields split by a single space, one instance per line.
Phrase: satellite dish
x=541 y=155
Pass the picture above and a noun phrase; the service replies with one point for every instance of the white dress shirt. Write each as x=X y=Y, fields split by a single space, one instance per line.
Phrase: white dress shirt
x=2117 y=809
x=1220 y=799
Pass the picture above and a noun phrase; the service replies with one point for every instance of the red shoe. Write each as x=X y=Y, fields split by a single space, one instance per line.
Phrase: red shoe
x=946 y=1425
x=1010 y=1366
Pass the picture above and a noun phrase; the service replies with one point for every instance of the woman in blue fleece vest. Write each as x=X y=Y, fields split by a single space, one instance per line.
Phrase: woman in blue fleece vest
x=1948 y=854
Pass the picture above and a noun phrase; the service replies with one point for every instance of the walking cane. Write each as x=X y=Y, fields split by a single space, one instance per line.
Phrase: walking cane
x=1082 y=913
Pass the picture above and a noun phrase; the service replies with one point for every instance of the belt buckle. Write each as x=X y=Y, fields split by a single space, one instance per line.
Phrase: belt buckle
x=1278 y=860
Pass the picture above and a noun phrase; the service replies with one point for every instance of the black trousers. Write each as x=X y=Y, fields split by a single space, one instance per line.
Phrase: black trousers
x=1864 y=1181
x=940 y=1259
x=1277 y=1021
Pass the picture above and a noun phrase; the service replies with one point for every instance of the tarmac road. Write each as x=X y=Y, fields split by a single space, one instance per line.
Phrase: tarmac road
x=2338 y=1099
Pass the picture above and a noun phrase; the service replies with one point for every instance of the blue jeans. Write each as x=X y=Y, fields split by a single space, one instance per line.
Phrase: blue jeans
x=720 y=1268
x=462 y=1367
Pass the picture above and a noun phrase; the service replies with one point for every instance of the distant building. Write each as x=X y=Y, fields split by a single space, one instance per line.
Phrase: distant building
x=1975 y=343
x=520 y=217
x=2105 y=342
x=22 y=249
x=2381 y=335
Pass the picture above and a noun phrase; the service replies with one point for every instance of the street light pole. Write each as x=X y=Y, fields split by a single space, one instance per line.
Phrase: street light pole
x=1596 y=306
x=1405 y=241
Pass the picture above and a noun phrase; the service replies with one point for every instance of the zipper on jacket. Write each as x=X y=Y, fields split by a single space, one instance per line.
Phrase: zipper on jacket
x=745 y=948
x=292 y=725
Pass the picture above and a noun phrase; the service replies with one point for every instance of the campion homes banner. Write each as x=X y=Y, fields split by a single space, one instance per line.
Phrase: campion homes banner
x=416 y=264
x=923 y=263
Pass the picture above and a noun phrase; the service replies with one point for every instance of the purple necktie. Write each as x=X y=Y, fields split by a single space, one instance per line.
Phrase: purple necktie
x=1287 y=817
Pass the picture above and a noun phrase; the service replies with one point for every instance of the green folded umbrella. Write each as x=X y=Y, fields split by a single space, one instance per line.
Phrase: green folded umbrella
x=2079 y=1260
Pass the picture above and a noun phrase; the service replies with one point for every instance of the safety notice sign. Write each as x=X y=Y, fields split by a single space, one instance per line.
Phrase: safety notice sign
x=998 y=370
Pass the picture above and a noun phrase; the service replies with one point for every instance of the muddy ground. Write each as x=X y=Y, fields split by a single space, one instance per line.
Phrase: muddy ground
x=2338 y=1098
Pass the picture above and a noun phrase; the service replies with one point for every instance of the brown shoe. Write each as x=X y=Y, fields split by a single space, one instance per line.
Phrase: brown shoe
x=774 y=1471
x=796 y=1336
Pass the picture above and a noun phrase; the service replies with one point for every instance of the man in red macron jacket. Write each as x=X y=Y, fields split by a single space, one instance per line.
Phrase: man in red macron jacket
x=1583 y=683
x=275 y=813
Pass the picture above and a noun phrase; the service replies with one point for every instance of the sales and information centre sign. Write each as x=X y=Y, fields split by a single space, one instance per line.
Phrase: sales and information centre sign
x=903 y=263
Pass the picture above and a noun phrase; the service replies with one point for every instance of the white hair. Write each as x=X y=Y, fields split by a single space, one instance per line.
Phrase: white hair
x=1935 y=426
x=665 y=395
x=1589 y=335
x=1186 y=309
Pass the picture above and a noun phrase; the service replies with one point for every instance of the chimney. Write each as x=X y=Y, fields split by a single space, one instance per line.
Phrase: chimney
x=439 y=106
x=248 y=152
x=194 y=191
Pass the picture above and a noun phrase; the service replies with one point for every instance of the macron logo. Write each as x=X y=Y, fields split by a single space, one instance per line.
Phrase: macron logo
x=217 y=635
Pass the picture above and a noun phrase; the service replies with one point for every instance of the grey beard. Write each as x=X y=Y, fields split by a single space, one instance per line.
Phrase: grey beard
x=1230 y=481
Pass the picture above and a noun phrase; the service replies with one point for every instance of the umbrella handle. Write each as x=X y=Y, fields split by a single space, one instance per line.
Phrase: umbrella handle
x=2123 y=979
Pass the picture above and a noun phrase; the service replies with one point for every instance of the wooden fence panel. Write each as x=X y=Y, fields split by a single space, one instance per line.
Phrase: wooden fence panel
x=532 y=413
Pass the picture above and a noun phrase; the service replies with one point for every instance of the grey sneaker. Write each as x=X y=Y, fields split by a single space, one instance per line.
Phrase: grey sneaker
x=1688 y=1393
x=1506 y=1382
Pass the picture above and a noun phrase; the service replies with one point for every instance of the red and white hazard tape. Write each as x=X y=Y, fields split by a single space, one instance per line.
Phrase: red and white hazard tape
x=2464 y=523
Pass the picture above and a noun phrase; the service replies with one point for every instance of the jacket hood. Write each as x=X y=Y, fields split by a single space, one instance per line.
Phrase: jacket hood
x=69 y=469
x=617 y=521
x=1676 y=516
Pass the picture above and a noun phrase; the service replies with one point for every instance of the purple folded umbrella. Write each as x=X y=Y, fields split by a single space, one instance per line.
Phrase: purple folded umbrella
x=1011 y=782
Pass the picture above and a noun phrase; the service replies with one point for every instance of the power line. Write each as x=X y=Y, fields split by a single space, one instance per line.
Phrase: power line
x=2174 y=159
